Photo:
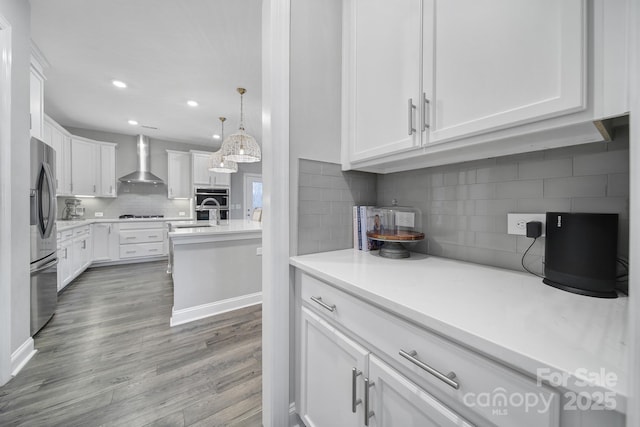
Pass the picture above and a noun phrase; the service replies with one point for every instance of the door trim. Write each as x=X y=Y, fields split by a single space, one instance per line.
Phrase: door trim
x=5 y=200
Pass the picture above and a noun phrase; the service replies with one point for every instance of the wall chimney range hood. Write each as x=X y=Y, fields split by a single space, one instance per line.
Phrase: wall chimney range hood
x=142 y=175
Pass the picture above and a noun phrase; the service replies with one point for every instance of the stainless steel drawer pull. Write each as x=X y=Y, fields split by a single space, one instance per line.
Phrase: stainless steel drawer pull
x=412 y=107
x=354 y=401
x=447 y=379
x=331 y=308
x=131 y=252
x=155 y=236
x=367 y=414
x=131 y=238
x=153 y=250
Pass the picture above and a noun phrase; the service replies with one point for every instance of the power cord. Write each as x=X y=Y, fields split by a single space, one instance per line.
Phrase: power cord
x=525 y=254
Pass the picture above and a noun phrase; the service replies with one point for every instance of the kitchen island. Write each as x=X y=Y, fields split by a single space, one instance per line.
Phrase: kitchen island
x=215 y=268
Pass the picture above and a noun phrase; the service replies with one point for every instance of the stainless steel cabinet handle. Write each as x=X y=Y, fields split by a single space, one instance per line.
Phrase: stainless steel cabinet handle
x=447 y=379
x=318 y=300
x=84 y=244
x=426 y=105
x=131 y=238
x=109 y=230
x=65 y=253
x=367 y=414
x=354 y=402
x=155 y=236
x=153 y=250
x=94 y=188
x=131 y=252
x=412 y=107
x=111 y=189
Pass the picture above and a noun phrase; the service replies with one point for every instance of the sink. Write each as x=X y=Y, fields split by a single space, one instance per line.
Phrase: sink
x=191 y=225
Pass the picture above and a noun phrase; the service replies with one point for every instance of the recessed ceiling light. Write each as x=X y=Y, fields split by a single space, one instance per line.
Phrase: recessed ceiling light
x=132 y=122
x=192 y=103
x=118 y=83
x=216 y=136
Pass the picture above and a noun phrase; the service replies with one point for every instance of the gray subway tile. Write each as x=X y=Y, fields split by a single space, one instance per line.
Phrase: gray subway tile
x=575 y=150
x=332 y=169
x=523 y=242
x=619 y=205
x=618 y=185
x=482 y=191
x=518 y=189
x=494 y=207
x=507 y=172
x=496 y=241
x=443 y=193
x=543 y=205
x=313 y=207
x=309 y=167
x=310 y=193
x=552 y=168
x=601 y=163
x=580 y=186
x=451 y=178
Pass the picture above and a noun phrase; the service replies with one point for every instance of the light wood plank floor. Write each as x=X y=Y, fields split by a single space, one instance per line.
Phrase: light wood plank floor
x=109 y=358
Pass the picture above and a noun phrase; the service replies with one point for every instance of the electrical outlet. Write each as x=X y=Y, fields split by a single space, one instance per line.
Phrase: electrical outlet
x=517 y=222
x=182 y=214
x=98 y=214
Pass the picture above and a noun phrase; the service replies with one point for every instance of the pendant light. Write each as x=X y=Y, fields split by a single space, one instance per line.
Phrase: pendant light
x=241 y=147
x=217 y=163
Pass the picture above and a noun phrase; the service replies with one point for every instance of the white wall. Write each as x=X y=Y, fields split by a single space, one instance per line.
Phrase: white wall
x=315 y=85
x=15 y=186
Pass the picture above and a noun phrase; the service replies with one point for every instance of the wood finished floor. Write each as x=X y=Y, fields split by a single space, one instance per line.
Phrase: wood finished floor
x=109 y=358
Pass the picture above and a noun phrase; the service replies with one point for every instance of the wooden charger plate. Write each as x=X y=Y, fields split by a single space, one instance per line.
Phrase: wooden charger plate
x=401 y=236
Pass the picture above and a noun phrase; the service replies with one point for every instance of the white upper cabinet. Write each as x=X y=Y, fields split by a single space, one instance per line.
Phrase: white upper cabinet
x=93 y=168
x=429 y=82
x=382 y=76
x=84 y=173
x=60 y=140
x=36 y=100
x=107 y=170
x=179 y=175
x=202 y=175
x=502 y=62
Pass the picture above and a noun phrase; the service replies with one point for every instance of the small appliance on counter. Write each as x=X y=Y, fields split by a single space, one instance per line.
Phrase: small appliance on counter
x=393 y=226
x=73 y=210
x=581 y=253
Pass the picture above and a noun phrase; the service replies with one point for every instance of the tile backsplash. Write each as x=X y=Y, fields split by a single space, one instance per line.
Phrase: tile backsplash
x=326 y=196
x=464 y=206
x=135 y=199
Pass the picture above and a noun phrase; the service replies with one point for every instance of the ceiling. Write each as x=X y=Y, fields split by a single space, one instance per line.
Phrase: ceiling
x=166 y=51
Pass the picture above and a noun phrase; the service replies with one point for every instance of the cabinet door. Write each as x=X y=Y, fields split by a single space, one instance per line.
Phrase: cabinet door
x=327 y=361
x=84 y=156
x=501 y=63
x=36 y=101
x=105 y=242
x=179 y=175
x=221 y=179
x=107 y=171
x=65 y=268
x=200 y=171
x=382 y=46
x=395 y=401
x=64 y=174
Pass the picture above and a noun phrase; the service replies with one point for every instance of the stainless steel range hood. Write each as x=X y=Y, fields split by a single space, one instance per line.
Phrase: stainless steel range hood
x=142 y=175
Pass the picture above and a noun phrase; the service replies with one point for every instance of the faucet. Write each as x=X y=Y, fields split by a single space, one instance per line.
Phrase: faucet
x=214 y=218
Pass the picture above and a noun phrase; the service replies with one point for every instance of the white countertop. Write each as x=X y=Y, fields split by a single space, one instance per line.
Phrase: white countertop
x=510 y=316
x=63 y=224
x=226 y=227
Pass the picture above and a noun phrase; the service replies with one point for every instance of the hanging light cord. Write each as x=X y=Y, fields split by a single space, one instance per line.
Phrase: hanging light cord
x=524 y=255
x=241 y=111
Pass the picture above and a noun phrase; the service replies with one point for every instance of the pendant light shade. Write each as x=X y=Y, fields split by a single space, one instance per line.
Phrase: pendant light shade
x=241 y=147
x=217 y=163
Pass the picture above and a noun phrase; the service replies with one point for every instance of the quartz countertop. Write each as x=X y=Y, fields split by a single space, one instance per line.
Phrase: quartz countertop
x=63 y=224
x=507 y=315
x=226 y=227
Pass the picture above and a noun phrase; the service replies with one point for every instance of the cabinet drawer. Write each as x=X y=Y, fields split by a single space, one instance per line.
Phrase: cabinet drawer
x=81 y=231
x=133 y=225
x=141 y=236
x=67 y=234
x=141 y=250
x=484 y=387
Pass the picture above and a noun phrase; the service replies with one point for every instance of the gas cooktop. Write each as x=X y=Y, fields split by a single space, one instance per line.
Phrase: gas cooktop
x=129 y=216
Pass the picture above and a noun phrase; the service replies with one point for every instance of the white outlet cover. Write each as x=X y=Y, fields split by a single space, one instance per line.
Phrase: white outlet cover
x=99 y=214
x=181 y=213
x=517 y=222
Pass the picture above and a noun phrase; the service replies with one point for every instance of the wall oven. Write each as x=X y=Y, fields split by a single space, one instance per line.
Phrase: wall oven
x=221 y=195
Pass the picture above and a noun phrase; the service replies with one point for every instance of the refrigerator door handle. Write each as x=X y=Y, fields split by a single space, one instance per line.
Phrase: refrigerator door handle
x=44 y=267
x=52 y=200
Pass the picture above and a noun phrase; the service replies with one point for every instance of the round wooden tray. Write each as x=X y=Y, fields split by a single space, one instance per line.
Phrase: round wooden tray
x=402 y=236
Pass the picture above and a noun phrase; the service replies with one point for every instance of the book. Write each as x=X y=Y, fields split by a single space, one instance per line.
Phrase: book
x=356 y=231
x=366 y=244
x=374 y=224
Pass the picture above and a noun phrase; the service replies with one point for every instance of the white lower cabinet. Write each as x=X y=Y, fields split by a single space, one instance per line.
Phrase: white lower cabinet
x=328 y=359
x=75 y=253
x=106 y=243
x=142 y=239
x=395 y=401
x=405 y=375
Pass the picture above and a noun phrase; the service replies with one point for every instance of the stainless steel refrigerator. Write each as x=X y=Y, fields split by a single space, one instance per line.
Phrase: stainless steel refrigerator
x=44 y=260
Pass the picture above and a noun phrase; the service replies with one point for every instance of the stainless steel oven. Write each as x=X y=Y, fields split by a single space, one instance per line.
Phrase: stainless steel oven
x=220 y=195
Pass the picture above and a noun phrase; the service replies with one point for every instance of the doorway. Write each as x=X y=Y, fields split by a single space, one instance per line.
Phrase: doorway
x=252 y=193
